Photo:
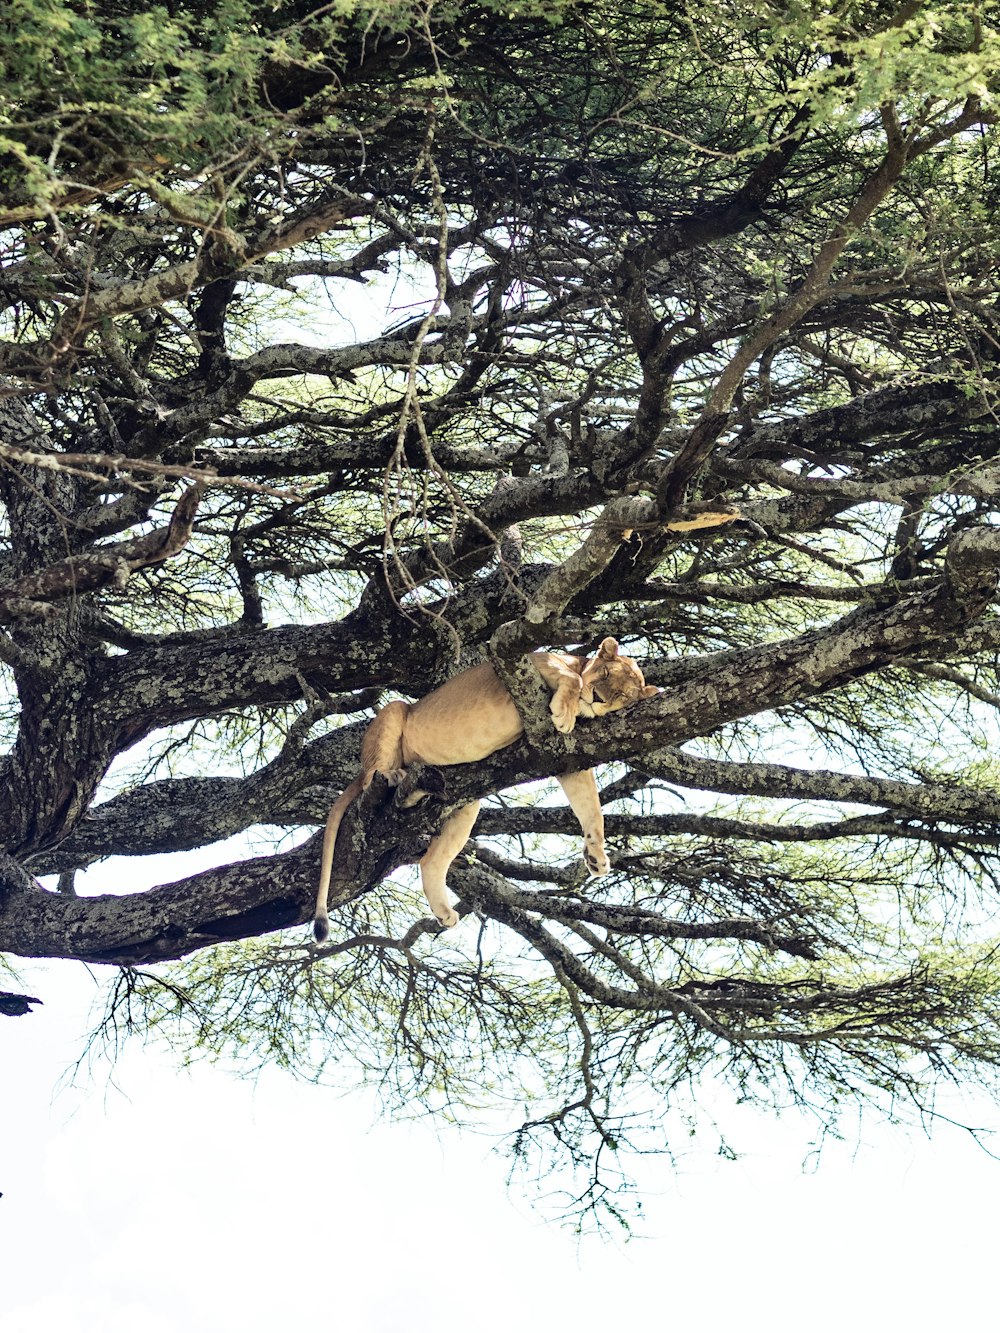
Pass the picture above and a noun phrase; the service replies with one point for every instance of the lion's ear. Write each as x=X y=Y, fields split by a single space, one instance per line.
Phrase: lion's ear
x=648 y=691
x=609 y=648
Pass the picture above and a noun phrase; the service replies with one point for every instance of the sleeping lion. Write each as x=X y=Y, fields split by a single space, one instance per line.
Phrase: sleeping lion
x=467 y=718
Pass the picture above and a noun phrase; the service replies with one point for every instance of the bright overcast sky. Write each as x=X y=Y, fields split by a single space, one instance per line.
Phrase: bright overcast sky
x=158 y=1201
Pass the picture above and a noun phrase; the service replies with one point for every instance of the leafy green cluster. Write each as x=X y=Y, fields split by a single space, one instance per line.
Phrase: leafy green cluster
x=96 y=95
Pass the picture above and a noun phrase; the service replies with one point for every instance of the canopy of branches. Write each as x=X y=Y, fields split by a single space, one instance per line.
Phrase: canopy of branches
x=341 y=349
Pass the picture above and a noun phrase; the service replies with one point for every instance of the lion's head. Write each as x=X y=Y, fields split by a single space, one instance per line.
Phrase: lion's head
x=611 y=681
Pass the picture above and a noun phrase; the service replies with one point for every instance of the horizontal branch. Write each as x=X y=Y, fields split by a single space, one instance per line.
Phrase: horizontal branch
x=179 y=814
x=951 y=803
x=520 y=820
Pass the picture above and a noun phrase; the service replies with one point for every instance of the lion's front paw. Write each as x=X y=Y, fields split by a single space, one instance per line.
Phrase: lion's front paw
x=564 y=719
x=448 y=917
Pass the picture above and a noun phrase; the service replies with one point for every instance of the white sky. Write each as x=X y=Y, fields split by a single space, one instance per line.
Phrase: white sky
x=194 y=1202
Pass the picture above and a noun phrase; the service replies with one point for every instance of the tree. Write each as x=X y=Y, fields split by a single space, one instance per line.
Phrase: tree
x=692 y=339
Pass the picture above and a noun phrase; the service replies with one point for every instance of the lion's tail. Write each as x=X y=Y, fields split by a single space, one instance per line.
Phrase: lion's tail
x=321 y=919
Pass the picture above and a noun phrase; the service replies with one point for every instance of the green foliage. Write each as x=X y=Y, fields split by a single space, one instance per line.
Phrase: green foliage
x=96 y=95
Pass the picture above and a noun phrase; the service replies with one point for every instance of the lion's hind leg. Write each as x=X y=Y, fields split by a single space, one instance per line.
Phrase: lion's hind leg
x=382 y=746
x=439 y=855
x=381 y=752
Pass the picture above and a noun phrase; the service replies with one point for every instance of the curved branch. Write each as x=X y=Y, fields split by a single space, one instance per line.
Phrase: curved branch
x=104 y=566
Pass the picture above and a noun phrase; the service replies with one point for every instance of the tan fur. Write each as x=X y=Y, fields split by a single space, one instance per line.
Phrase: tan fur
x=469 y=717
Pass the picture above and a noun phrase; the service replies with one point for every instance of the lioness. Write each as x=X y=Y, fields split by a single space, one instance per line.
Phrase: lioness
x=468 y=718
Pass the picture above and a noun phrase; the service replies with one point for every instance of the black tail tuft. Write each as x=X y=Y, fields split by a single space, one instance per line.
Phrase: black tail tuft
x=321 y=928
